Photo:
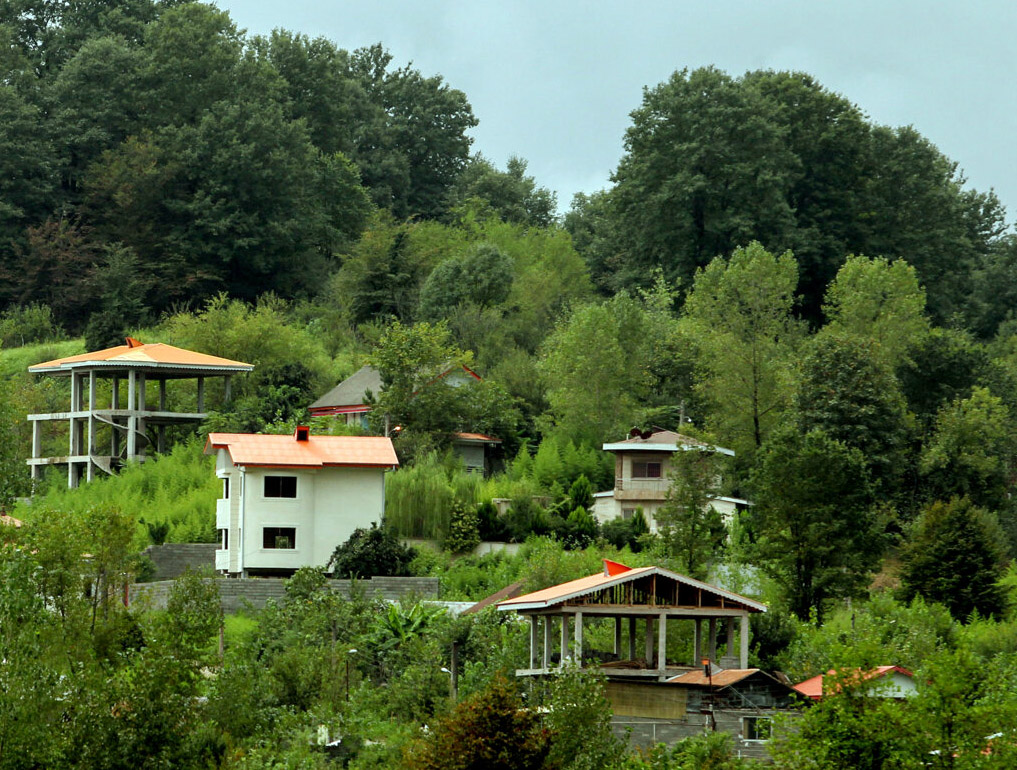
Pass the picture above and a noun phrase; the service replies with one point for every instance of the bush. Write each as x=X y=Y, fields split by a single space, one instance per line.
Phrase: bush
x=463 y=529
x=369 y=553
x=26 y=324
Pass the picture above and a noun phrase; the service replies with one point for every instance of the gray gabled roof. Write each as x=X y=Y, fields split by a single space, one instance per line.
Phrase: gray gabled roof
x=352 y=390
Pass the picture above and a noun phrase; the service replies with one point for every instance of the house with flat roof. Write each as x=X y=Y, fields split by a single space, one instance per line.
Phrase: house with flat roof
x=288 y=501
x=642 y=465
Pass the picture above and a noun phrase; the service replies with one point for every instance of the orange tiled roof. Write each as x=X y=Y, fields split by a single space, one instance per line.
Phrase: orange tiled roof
x=813 y=688
x=477 y=437
x=614 y=573
x=723 y=678
x=139 y=355
x=315 y=452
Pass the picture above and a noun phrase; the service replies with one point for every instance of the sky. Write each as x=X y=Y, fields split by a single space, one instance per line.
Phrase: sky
x=554 y=81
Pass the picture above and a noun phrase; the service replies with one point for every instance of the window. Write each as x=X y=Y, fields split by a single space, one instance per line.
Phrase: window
x=756 y=728
x=280 y=486
x=224 y=539
x=645 y=470
x=628 y=513
x=279 y=537
x=226 y=488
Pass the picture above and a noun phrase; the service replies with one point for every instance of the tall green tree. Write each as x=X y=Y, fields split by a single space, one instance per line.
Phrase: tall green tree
x=881 y=301
x=740 y=314
x=816 y=532
x=692 y=531
x=512 y=194
x=482 y=277
x=954 y=555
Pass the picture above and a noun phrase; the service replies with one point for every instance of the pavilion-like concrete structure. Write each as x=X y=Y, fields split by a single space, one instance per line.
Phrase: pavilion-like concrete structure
x=133 y=424
x=651 y=596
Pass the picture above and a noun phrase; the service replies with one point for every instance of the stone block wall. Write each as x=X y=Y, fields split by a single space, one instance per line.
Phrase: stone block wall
x=237 y=594
x=173 y=559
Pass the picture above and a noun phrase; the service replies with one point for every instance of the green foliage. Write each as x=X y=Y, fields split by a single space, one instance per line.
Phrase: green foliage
x=691 y=531
x=12 y=473
x=739 y=311
x=954 y=556
x=419 y=498
x=579 y=718
x=482 y=277
x=27 y=324
x=817 y=534
x=463 y=529
x=709 y=751
x=178 y=489
x=490 y=729
x=368 y=553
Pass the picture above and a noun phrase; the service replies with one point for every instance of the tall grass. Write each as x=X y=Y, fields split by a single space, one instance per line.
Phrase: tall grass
x=178 y=489
x=419 y=498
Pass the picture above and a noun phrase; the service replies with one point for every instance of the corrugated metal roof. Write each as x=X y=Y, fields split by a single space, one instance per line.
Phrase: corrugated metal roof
x=663 y=441
x=353 y=390
x=138 y=355
x=721 y=678
x=477 y=437
x=250 y=449
x=559 y=594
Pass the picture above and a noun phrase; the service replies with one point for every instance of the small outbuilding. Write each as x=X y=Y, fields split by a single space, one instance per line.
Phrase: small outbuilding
x=288 y=501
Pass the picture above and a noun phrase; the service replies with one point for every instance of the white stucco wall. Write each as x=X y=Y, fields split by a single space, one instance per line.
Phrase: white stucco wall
x=607 y=507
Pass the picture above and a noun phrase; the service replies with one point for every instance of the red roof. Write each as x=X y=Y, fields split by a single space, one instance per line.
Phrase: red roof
x=316 y=452
x=813 y=688
x=139 y=355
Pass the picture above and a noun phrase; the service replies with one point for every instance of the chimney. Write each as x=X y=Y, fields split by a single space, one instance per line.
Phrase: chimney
x=303 y=433
x=133 y=343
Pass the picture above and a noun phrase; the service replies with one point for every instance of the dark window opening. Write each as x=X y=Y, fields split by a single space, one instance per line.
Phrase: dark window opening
x=224 y=538
x=226 y=489
x=279 y=537
x=645 y=470
x=757 y=728
x=280 y=486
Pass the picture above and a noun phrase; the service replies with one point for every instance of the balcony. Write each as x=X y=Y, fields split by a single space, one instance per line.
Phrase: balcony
x=641 y=489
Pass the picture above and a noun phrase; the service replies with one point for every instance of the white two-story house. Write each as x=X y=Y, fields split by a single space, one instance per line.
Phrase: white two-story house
x=288 y=501
x=642 y=466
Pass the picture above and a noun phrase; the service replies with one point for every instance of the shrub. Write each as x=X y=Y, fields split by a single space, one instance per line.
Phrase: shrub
x=371 y=552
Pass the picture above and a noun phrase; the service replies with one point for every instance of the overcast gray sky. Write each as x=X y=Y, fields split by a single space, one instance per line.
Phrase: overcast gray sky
x=554 y=82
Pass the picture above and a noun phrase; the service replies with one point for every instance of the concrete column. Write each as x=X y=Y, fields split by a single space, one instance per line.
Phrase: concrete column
x=730 y=651
x=662 y=642
x=617 y=637
x=36 y=449
x=162 y=395
x=713 y=640
x=74 y=427
x=632 y=638
x=743 y=638
x=229 y=389
x=142 y=407
x=201 y=395
x=132 y=417
x=90 y=472
x=547 y=641
x=649 y=642
x=697 y=641
x=564 y=639
x=533 y=641
x=579 y=638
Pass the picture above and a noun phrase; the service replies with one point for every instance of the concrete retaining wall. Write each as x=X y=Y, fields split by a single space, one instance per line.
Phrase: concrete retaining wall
x=255 y=592
x=487 y=546
x=173 y=559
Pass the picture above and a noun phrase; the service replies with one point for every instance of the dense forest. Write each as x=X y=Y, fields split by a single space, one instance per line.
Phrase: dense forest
x=769 y=271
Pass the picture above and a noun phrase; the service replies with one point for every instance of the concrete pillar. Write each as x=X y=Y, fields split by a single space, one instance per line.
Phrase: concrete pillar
x=617 y=637
x=201 y=395
x=90 y=472
x=547 y=641
x=533 y=641
x=162 y=395
x=713 y=640
x=649 y=642
x=743 y=638
x=564 y=639
x=632 y=638
x=579 y=638
x=73 y=428
x=132 y=417
x=697 y=641
x=662 y=642
x=142 y=407
x=730 y=644
x=36 y=449
x=228 y=390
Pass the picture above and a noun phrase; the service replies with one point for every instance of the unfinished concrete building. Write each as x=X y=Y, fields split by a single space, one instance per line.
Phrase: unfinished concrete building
x=136 y=411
